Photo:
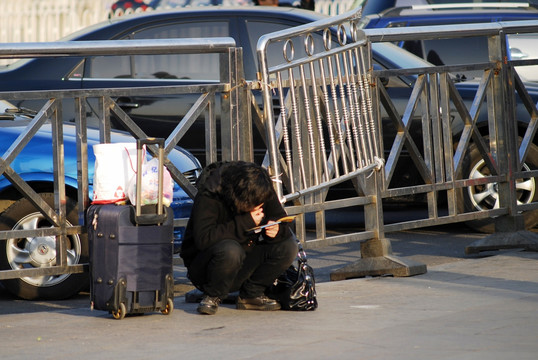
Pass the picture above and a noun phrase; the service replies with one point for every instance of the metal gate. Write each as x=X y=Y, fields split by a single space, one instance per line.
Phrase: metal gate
x=331 y=124
x=326 y=106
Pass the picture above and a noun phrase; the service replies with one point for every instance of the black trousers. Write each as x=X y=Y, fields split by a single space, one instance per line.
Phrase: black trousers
x=226 y=267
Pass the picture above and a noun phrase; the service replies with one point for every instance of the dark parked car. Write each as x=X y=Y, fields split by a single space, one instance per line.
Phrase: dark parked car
x=35 y=166
x=157 y=116
x=461 y=50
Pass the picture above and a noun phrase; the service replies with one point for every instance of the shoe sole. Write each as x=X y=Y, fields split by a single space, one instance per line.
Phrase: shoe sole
x=258 y=307
x=205 y=310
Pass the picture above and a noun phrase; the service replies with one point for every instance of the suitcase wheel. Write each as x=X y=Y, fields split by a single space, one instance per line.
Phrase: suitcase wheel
x=120 y=314
x=169 y=307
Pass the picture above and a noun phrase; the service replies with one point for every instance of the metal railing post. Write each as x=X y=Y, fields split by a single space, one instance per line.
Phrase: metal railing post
x=236 y=124
x=376 y=253
x=228 y=139
x=242 y=111
x=504 y=146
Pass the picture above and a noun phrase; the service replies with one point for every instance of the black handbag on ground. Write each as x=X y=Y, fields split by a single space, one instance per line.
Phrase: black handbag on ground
x=295 y=289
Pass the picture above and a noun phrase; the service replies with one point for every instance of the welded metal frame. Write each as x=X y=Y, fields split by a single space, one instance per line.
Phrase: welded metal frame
x=497 y=90
x=302 y=181
x=231 y=79
x=323 y=132
x=434 y=95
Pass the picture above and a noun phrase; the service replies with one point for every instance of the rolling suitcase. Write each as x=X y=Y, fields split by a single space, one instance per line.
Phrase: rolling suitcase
x=131 y=266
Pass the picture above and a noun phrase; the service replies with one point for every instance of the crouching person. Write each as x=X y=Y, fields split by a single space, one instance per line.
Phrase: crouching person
x=219 y=251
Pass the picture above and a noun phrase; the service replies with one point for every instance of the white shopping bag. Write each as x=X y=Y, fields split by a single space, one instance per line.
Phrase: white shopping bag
x=115 y=164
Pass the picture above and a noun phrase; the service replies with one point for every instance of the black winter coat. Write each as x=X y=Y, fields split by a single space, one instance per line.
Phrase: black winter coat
x=212 y=220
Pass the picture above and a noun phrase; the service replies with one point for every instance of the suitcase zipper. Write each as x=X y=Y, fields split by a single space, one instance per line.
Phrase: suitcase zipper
x=94 y=221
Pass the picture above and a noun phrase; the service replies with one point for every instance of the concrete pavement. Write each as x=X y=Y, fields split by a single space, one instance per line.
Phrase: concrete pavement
x=480 y=307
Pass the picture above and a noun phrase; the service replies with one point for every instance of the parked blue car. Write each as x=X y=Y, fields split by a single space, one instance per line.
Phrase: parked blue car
x=35 y=166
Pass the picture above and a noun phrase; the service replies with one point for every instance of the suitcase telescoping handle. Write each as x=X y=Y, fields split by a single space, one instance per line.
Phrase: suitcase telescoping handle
x=159 y=215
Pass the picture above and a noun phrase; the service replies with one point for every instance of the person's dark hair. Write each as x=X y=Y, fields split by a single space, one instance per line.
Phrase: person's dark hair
x=245 y=185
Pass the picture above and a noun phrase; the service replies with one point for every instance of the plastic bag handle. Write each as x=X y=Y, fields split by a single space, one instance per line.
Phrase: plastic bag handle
x=160 y=215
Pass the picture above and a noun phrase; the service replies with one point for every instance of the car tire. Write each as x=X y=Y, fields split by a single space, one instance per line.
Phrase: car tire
x=22 y=253
x=481 y=197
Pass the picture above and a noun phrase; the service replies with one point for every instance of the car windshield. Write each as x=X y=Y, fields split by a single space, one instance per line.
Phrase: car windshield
x=391 y=56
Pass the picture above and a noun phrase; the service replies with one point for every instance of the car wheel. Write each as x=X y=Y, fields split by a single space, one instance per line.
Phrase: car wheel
x=485 y=197
x=40 y=252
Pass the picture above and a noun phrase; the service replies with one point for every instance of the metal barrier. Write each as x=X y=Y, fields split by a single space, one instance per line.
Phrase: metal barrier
x=326 y=106
x=323 y=79
x=325 y=133
x=230 y=86
x=323 y=117
x=491 y=126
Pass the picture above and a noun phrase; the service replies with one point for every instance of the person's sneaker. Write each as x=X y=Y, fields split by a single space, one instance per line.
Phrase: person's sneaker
x=195 y=296
x=209 y=305
x=257 y=303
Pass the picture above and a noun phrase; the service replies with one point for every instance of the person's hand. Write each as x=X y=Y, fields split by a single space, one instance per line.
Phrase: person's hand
x=257 y=214
x=271 y=231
